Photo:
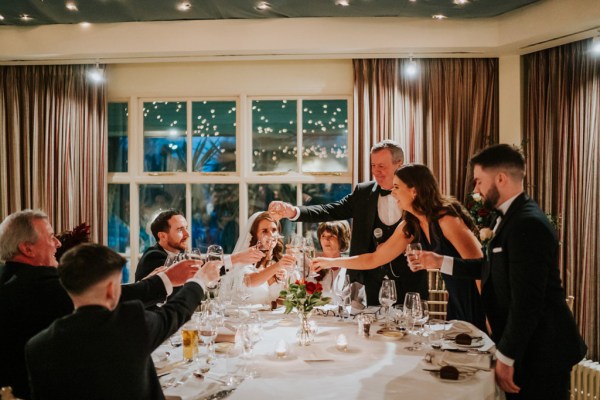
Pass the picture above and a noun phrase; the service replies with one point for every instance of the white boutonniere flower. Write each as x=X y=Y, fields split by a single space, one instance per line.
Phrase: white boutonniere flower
x=485 y=235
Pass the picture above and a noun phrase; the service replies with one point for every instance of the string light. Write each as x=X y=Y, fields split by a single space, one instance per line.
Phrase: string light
x=95 y=74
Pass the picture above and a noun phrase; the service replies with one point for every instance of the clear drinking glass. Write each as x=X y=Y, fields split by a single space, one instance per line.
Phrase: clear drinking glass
x=343 y=293
x=387 y=298
x=413 y=251
x=414 y=312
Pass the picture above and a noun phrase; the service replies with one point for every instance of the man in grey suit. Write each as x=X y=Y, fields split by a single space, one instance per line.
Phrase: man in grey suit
x=536 y=336
x=371 y=208
x=102 y=350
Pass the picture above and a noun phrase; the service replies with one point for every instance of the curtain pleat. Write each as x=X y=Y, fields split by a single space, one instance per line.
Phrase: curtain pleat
x=52 y=150
x=561 y=132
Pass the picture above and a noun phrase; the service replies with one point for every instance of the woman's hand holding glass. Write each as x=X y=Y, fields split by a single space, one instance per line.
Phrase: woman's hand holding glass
x=413 y=254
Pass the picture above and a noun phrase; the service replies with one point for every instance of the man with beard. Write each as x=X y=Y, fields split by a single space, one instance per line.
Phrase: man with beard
x=170 y=230
x=536 y=336
x=31 y=296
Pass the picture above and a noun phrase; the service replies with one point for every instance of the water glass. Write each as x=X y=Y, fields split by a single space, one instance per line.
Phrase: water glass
x=387 y=297
x=413 y=251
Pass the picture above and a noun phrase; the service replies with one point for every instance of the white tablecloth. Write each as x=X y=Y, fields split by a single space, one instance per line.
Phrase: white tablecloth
x=372 y=368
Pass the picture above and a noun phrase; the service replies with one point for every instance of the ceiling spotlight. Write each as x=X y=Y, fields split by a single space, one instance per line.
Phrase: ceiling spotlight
x=95 y=74
x=410 y=69
x=25 y=17
x=1 y=17
x=343 y=3
x=596 y=44
x=184 y=6
x=461 y=2
x=85 y=24
x=439 y=17
x=71 y=6
x=263 y=5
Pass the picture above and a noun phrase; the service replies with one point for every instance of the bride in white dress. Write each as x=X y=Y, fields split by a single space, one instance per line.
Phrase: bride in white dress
x=261 y=283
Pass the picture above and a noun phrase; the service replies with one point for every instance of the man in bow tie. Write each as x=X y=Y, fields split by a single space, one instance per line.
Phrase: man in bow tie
x=536 y=336
x=375 y=216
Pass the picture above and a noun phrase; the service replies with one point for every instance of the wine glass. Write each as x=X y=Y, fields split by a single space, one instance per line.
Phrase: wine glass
x=414 y=312
x=413 y=251
x=207 y=330
x=309 y=254
x=214 y=253
x=387 y=297
x=343 y=292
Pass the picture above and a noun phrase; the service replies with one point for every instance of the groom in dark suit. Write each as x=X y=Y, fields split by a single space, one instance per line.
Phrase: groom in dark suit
x=102 y=350
x=536 y=336
x=370 y=208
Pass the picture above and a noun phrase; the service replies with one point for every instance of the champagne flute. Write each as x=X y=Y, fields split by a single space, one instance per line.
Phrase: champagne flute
x=214 y=253
x=387 y=297
x=309 y=254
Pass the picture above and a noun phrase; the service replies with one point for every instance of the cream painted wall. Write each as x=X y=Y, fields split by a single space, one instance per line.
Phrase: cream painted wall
x=231 y=78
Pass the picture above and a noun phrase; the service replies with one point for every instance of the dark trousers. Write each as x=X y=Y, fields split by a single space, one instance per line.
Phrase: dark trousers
x=542 y=386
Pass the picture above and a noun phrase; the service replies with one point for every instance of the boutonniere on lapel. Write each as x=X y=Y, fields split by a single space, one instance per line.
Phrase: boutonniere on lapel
x=485 y=236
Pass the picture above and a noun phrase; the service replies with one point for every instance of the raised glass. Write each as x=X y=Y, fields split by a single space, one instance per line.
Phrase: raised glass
x=213 y=136
x=165 y=141
x=260 y=195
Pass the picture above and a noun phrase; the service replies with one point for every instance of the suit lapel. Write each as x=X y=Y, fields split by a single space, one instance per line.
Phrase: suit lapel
x=371 y=208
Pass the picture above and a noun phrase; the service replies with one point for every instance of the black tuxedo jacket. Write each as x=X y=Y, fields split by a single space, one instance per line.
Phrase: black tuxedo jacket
x=95 y=353
x=31 y=298
x=522 y=293
x=154 y=257
x=361 y=206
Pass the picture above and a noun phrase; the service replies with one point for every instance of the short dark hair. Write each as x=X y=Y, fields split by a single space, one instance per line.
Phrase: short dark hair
x=501 y=156
x=339 y=229
x=87 y=264
x=161 y=222
x=392 y=146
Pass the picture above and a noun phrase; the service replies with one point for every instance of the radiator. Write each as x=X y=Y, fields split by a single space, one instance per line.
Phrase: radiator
x=585 y=381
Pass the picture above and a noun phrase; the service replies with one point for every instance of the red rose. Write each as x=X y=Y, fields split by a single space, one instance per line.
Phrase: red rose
x=319 y=287
x=310 y=287
x=483 y=212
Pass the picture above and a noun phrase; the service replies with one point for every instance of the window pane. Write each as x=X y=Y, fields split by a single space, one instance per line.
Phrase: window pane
x=260 y=195
x=165 y=136
x=274 y=125
x=117 y=137
x=215 y=216
x=118 y=218
x=153 y=199
x=321 y=193
x=213 y=136
x=325 y=135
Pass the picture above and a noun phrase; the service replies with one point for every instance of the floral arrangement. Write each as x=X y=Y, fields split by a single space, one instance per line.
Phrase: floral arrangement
x=303 y=296
x=69 y=239
x=482 y=216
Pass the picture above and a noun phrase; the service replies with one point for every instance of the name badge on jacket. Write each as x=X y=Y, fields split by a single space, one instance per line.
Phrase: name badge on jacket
x=497 y=250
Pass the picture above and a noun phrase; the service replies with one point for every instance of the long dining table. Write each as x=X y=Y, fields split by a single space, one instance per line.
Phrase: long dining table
x=374 y=367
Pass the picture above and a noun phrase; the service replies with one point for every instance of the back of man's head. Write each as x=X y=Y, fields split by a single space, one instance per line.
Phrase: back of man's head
x=161 y=222
x=18 y=228
x=503 y=157
x=392 y=146
x=86 y=265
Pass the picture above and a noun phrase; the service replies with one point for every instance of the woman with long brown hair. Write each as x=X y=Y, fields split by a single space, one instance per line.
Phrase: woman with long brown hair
x=440 y=224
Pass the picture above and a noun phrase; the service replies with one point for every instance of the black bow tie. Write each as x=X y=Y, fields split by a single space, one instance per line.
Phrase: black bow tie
x=499 y=213
x=383 y=192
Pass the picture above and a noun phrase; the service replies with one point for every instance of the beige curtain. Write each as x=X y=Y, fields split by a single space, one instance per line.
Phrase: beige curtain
x=441 y=116
x=375 y=84
x=52 y=144
x=562 y=142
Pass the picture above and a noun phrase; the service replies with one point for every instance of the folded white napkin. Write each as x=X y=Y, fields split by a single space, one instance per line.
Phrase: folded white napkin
x=466 y=360
x=459 y=327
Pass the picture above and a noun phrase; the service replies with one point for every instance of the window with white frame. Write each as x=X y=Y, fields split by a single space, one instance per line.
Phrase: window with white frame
x=219 y=161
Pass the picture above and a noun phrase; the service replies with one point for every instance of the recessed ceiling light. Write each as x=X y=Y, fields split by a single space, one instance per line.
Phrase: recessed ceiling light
x=85 y=24
x=263 y=5
x=1 y=17
x=439 y=17
x=461 y=2
x=596 y=44
x=343 y=3
x=71 y=6
x=25 y=17
x=184 y=6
